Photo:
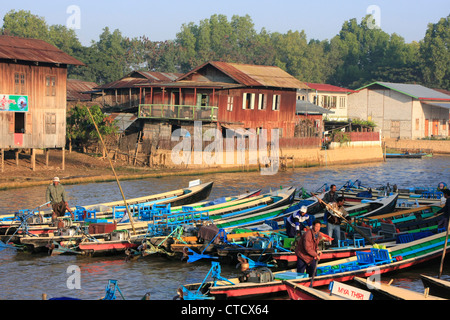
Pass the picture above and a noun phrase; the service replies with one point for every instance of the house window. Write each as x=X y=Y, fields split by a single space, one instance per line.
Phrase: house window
x=342 y=102
x=262 y=101
x=50 y=123
x=50 y=85
x=248 y=101
x=276 y=102
x=19 y=83
x=19 y=122
x=329 y=102
x=202 y=99
x=230 y=103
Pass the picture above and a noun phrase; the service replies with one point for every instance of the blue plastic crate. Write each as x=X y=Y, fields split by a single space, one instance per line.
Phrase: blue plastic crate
x=289 y=275
x=365 y=257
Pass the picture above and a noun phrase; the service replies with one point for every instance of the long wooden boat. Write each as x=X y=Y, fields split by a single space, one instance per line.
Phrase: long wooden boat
x=438 y=287
x=402 y=256
x=408 y=155
x=240 y=203
x=304 y=292
x=421 y=198
x=289 y=259
x=370 y=208
x=392 y=292
x=176 y=197
x=336 y=291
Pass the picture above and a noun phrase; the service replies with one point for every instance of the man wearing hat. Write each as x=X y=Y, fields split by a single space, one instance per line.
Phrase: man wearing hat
x=297 y=221
x=56 y=196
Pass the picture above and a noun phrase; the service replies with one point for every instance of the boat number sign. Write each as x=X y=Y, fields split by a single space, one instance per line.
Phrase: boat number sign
x=349 y=292
x=13 y=103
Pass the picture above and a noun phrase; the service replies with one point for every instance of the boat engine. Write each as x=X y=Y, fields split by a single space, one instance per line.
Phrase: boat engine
x=257 y=275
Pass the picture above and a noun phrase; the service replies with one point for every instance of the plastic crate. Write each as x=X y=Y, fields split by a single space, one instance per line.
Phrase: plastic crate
x=289 y=275
x=365 y=257
x=287 y=242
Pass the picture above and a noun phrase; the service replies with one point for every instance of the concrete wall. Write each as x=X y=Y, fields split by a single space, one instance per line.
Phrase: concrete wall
x=435 y=146
x=345 y=154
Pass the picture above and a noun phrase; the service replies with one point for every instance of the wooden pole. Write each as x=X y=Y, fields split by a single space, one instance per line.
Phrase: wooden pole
x=114 y=171
x=47 y=153
x=33 y=159
x=443 y=252
x=63 y=156
x=3 y=159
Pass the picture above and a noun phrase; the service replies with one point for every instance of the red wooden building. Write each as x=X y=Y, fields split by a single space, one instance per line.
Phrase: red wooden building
x=228 y=95
x=33 y=94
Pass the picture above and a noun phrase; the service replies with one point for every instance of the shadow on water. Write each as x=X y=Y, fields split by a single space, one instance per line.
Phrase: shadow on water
x=26 y=276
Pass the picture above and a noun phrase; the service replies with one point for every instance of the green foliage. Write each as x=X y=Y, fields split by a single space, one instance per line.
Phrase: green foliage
x=364 y=123
x=434 y=53
x=80 y=128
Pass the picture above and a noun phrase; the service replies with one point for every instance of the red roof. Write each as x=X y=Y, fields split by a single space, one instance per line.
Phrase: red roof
x=327 y=87
x=76 y=90
x=252 y=75
x=136 y=78
x=35 y=50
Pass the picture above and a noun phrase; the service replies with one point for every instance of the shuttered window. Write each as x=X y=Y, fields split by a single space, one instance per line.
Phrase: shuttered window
x=50 y=123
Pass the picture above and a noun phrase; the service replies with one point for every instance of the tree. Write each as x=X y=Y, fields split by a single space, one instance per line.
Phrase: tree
x=435 y=55
x=24 y=24
x=80 y=129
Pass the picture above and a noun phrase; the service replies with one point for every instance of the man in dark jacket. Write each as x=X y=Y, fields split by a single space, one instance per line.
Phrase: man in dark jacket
x=330 y=196
x=307 y=250
x=443 y=223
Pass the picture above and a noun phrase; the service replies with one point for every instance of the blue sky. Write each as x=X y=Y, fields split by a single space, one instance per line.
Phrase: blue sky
x=161 y=20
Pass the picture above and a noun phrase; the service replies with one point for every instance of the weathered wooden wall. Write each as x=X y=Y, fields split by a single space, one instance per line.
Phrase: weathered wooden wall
x=42 y=107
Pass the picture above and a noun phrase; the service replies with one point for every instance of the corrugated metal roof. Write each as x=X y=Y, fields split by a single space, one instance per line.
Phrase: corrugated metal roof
x=303 y=107
x=327 y=87
x=35 y=50
x=77 y=90
x=124 y=120
x=440 y=105
x=136 y=78
x=254 y=75
x=416 y=91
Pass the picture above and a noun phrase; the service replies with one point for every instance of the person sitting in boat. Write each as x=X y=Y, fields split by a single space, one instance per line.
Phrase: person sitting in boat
x=56 y=197
x=307 y=249
x=296 y=222
x=333 y=219
x=443 y=223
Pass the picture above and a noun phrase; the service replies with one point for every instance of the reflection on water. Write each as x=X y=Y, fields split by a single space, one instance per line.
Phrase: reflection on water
x=27 y=276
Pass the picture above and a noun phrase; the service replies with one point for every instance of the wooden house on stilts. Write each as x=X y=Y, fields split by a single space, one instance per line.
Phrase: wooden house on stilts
x=33 y=77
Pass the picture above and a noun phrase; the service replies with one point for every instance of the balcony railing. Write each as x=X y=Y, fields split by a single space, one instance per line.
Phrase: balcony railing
x=178 y=112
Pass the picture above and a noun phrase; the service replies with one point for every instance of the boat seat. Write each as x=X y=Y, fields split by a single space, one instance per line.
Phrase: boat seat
x=368 y=233
x=388 y=230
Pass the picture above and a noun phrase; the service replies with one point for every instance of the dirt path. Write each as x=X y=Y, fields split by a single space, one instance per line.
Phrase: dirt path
x=79 y=168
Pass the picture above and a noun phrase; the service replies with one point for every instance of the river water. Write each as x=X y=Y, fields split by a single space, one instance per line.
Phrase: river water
x=28 y=276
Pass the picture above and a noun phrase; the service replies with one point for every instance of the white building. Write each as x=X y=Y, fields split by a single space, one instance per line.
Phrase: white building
x=327 y=96
x=405 y=111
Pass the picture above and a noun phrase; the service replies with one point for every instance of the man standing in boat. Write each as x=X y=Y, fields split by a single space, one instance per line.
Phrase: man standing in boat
x=330 y=196
x=56 y=196
x=334 y=221
x=307 y=251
